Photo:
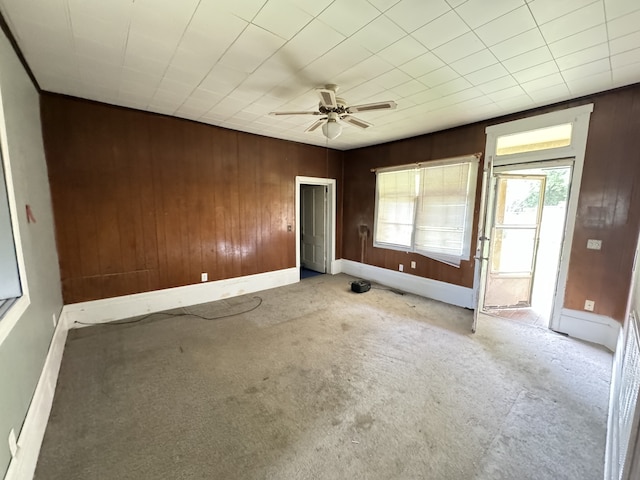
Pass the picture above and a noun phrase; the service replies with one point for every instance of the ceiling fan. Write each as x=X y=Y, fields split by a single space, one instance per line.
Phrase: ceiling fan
x=333 y=108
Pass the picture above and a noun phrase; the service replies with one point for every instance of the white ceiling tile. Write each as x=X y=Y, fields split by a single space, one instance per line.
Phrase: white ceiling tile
x=518 y=45
x=107 y=53
x=422 y=65
x=171 y=18
x=579 y=41
x=455 y=3
x=591 y=84
x=587 y=69
x=98 y=30
x=623 y=44
x=626 y=58
x=618 y=8
x=392 y=78
x=438 y=77
x=412 y=14
x=543 y=82
x=528 y=59
x=587 y=55
x=114 y=11
x=506 y=26
x=286 y=26
x=408 y=89
x=460 y=47
x=222 y=79
x=510 y=92
x=382 y=5
x=246 y=9
x=515 y=104
x=305 y=46
x=51 y=13
x=624 y=25
x=441 y=30
x=626 y=75
x=402 y=51
x=546 y=10
x=253 y=47
x=479 y=12
x=542 y=70
x=378 y=34
x=498 y=84
x=487 y=74
x=550 y=94
x=474 y=62
x=454 y=86
x=574 y=22
x=348 y=16
x=142 y=46
x=373 y=67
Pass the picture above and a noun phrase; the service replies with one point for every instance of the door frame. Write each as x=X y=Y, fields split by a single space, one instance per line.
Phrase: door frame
x=330 y=219
x=579 y=118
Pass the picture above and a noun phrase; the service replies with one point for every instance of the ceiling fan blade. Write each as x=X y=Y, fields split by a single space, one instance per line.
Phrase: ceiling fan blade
x=356 y=121
x=316 y=124
x=327 y=97
x=388 y=105
x=275 y=114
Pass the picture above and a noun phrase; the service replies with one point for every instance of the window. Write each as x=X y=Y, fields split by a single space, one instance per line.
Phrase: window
x=534 y=140
x=427 y=208
x=10 y=279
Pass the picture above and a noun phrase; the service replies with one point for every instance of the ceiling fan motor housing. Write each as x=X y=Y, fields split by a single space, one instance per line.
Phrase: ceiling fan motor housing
x=340 y=108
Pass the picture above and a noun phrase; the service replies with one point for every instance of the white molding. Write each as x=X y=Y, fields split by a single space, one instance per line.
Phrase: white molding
x=590 y=327
x=426 y=287
x=118 y=308
x=336 y=266
x=611 y=467
x=23 y=465
x=330 y=212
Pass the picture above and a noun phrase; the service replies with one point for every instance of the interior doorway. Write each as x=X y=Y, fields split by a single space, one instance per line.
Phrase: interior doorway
x=315 y=226
x=529 y=223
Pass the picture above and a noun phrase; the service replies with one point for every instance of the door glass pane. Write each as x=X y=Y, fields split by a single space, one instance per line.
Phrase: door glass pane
x=513 y=250
x=518 y=201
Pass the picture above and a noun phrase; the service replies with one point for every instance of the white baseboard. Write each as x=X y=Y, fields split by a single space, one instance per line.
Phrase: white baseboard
x=590 y=327
x=118 y=308
x=336 y=267
x=426 y=287
x=23 y=465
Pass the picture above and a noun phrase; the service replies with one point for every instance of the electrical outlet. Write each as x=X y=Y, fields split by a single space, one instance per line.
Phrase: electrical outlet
x=413 y=264
x=401 y=267
x=204 y=277
x=13 y=443
x=55 y=320
x=589 y=305
x=594 y=244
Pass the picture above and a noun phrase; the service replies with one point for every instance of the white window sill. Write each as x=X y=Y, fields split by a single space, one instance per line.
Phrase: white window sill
x=12 y=315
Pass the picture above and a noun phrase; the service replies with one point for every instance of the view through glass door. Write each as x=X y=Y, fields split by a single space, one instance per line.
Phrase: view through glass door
x=515 y=236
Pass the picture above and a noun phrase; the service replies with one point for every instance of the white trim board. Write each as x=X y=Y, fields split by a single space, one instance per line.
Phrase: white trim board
x=590 y=327
x=118 y=308
x=426 y=287
x=23 y=465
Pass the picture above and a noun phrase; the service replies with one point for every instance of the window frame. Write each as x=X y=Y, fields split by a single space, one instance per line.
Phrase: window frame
x=472 y=180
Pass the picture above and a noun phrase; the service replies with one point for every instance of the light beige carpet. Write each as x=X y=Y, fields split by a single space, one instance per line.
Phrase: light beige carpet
x=320 y=383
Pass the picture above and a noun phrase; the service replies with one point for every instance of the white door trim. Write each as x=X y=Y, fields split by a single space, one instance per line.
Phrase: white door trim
x=330 y=231
x=579 y=117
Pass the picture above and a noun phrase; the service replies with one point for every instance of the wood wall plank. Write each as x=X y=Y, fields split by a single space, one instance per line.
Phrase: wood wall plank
x=608 y=209
x=144 y=202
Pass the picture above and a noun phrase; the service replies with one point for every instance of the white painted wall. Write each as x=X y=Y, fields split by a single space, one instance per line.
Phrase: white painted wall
x=26 y=331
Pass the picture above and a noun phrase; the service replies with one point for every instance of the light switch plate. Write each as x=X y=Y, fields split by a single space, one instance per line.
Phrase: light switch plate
x=589 y=305
x=594 y=244
x=204 y=277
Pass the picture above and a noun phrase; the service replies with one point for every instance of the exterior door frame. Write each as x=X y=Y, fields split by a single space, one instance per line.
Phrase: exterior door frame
x=330 y=218
x=579 y=118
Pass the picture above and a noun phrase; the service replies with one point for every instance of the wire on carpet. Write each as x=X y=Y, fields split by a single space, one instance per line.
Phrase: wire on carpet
x=184 y=314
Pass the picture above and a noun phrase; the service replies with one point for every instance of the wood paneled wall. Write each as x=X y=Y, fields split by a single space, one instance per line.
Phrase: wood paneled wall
x=144 y=202
x=608 y=209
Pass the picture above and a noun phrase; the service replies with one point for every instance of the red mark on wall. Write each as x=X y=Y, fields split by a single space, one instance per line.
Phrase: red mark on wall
x=30 y=217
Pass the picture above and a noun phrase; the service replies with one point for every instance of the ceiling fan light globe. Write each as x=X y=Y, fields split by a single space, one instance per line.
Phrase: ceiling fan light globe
x=331 y=129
